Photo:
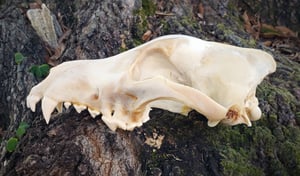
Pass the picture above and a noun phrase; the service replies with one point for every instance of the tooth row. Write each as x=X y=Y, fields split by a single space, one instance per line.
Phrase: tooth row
x=112 y=120
x=78 y=108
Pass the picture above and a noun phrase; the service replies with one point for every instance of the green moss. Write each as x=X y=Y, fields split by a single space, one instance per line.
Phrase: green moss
x=232 y=5
x=251 y=42
x=243 y=148
x=155 y=159
x=231 y=35
x=221 y=27
x=289 y=154
x=236 y=162
x=269 y=92
x=165 y=25
x=298 y=117
x=239 y=147
x=265 y=140
x=137 y=42
x=148 y=7
x=122 y=49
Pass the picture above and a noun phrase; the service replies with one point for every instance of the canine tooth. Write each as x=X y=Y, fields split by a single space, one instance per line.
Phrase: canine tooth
x=48 y=106
x=79 y=108
x=93 y=113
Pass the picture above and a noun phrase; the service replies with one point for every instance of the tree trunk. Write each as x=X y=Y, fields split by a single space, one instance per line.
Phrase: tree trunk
x=76 y=144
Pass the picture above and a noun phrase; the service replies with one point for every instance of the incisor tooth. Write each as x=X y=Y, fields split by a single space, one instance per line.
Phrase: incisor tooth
x=79 y=108
x=93 y=113
x=31 y=101
x=67 y=105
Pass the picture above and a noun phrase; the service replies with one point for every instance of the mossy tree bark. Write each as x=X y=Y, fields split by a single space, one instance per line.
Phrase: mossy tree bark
x=76 y=144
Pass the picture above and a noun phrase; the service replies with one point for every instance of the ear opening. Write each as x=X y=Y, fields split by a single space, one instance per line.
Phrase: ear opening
x=235 y=115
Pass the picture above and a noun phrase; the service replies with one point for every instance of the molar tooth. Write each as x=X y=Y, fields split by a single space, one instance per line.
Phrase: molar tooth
x=93 y=113
x=79 y=108
x=67 y=105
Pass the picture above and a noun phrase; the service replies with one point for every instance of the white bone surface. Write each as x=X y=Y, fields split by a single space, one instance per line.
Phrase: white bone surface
x=175 y=72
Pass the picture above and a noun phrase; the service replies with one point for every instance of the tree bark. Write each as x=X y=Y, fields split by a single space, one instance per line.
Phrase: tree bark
x=76 y=144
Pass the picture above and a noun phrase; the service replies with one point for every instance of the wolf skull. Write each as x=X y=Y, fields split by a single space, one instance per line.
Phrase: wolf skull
x=176 y=72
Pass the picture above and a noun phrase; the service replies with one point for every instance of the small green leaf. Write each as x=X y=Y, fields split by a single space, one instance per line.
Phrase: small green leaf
x=40 y=71
x=44 y=69
x=19 y=57
x=24 y=125
x=20 y=132
x=11 y=144
x=21 y=129
x=33 y=69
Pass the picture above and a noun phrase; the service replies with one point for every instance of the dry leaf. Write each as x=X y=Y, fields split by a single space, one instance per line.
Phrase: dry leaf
x=252 y=25
x=268 y=31
x=286 y=32
x=268 y=43
x=147 y=35
x=164 y=14
x=247 y=24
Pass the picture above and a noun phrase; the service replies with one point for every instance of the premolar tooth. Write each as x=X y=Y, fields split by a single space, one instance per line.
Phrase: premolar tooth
x=59 y=107
x=67 y=105
x=93 y=113
x=111 y=125
x=79 y=108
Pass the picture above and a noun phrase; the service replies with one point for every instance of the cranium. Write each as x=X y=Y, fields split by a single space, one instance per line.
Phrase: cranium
x=176 y=72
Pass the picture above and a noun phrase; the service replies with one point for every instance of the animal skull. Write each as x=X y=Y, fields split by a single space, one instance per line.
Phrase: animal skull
x=176 y=72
